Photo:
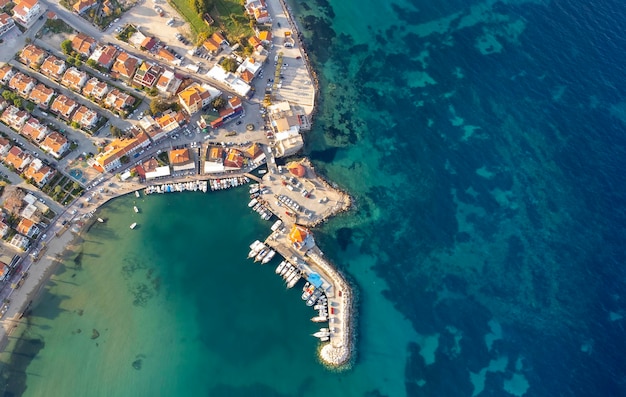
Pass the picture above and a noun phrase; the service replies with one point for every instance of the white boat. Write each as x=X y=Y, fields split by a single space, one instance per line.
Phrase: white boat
x=325 y=338
x=133 y=225
x=254 y=251
x=285 y=269
x=268 y=257
x=292 y=283
x=253 y=190
x=319 y=319
x=321 y=334
x=261 y=172
x=252 y=203
x=280 y=267
x=289 y=272
x=137 y=193
x=261 y=254
x=100 y=220
x=135 y=209
x=276 y=225
x=256 y=242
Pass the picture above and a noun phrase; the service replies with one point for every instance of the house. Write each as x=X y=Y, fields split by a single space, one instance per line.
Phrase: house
x=55 y=144
x=14 y=117
x=6 y=23
x=27 y=227
x=166 y=54
x=26 y=12
x=147 y=74
x=34 y=130
x=255 y=42
x=53 y=67
x=6 y=72
x=251 y=65
x=41 y=95
x=152 y=169
x=22 y=84
x=168 y=83
x=85 y=117
x=195 y=97
x=95 y=89
x=64 y=106
x=171 y=121
x=151 y=127
x=51 y=15
x=211 y=46
x=181 y=160
x=265 y=36
x=125 y=65
x=110 y=157
x=258 y=10
x=18 y=158
x=247 y=76
x=4 y=230
x=254 y=152
x=234 y=160
x=214 y=161
x=83 y=5
x=32 y=56
x=228 y=113
x=5 y=145
x=3 y=104
x=38 y=172
x=74 y=79
x=107 y=8
x=104 y=56
x=233 y=82
x=118 y=100
x=83 y=44
x=148 y=43
x=19 y=241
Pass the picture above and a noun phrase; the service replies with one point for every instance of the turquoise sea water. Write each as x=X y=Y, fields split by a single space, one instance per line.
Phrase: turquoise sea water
x=484 y=145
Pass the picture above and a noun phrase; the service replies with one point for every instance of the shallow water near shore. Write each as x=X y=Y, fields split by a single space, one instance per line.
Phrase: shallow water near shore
x=483 y=144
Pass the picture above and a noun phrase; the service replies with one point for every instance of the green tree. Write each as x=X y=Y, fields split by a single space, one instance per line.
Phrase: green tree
x=124 y=159
x=91 y=63
x=17 y=102
x=71 y=60
x=115 y=131
x=201 y=38
x=57 y=189
x=6 y=95
x=66 y=46
x=29 y=106
x=153 y=91
x=75 y=186
x=229 y=64
x=78 y=63
x=218 y=103
x=158 y=106
x=75 y=124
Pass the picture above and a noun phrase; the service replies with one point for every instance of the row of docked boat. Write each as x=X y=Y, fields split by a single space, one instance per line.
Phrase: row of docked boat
x=290 y=273
x=258 y=206
x=261 y=252
x=227 y=183
x=323 y=334
x=192 y=186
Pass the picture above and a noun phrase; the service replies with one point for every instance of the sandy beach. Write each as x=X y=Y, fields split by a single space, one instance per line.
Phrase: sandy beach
x=38 y=275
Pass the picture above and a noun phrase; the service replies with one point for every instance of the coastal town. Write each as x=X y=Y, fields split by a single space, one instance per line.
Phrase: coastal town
x=102 y=99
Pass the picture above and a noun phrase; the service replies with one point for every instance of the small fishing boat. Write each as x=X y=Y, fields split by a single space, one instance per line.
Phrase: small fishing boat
x=135 y=209
x=134 y=225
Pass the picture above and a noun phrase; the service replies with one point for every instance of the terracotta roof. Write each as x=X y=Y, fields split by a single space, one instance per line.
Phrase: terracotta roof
x=150 y=165
x=180 y=156
x=34 y=130
x=17 y=158
x=53 y=66
x=193 y=95
x=51 y=15
x=27 y=3
x=54 y=142
x=38 y=173
x=247 y=76
x=234 y=159
x=265 y=35
x=125 y=65
x=6 y=72
x=118 y=100
x=296 y=169
x=298 y=234
x=82 y=5
x=4 y=3
x=218 y=38
x=165 y=54
x=41 y=95
x=148 y=43
x=74 y=78
x=83 y=44
x=148 y=74
x=95 y=88
x=211 y=45
x=14 y=117
x=24 y=226
x=32 y=55
x=21 y=83
x=64 y=106
x=85 y=117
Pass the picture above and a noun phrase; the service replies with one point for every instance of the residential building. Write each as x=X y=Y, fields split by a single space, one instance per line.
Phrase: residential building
x=151 y=127
x=38 y=172
x=74 y=79
x=152 y=169
x=168 y=83
x=64 y=106
x=85 y=117
x=83 y=44
x=26 y=12
x=53 y=67
x=125 y=65
x=83 y=5
x=214 y=162
x=95 y=89
x=166 y=54
x=22 y=84
x=4 y=230
x=254 y=152
x=195 y=97
x=3 y=104
x=32 y=56
x=258 y=9
x=251 y=65
x=27 y=227
x=147 y=74
x=234 y=160
x=104 y=56
x=17 y=158
x=109 y=158
x=246 y=76
x=34 y=130
x=228 y=113
x=211 y=46
x=20 y=242
x=41 y=95
x=14 y=117
x=265 y=36
x=5 y=145
x=6 y=23
x=170 y=121
x=181 y=160
x=255 y=42
x=233 y=82
x=119 y=100
x=55 y=144
x=6 y=72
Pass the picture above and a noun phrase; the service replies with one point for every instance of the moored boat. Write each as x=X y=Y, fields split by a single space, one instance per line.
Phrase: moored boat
x=135 y=209
x=268 y=257
x=100 y=220
x=261 y=254
x=133 y=225
x=319 y=319
x=280 y=267
x=252 y=203
x=137 y=193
